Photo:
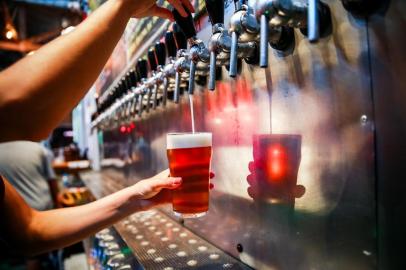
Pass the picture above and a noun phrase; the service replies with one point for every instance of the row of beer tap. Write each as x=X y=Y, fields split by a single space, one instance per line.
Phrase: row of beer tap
x=183 y=60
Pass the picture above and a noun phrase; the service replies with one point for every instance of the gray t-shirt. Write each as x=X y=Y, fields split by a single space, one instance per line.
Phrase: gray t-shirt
x=27 y=166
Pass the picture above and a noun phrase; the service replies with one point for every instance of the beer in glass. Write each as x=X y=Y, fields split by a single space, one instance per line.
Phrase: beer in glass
x=189 y=156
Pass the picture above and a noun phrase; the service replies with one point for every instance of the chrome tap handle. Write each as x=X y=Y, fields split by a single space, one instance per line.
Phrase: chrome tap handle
x=215 y=9
x=165 y=92
x=312 y=21
x=233 y=55
x=263 y=43
x=212 y=74
x=155 y=99
x=177 y=87
x=143 y=73
x=141 y=105
x=192 y=74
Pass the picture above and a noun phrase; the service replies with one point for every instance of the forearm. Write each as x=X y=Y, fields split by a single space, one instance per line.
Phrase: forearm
x=39 y=90
x=61 y=227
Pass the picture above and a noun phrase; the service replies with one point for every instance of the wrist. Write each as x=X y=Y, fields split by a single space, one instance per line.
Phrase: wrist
x=131 y=199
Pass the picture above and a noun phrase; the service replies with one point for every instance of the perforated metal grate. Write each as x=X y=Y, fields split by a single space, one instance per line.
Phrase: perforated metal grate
x=159 y=242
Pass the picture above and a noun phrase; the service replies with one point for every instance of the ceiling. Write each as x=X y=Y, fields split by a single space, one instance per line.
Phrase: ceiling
x=37 y=22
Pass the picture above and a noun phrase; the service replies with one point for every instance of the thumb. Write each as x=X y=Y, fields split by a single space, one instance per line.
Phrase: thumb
x=168 y=182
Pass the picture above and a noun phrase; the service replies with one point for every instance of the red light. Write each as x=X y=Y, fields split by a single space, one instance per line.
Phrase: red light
x=128 y=129
x=276 y=166
x=132 y=125
x=123 y=129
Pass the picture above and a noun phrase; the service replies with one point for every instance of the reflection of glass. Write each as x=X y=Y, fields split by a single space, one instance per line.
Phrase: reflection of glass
x=189 y=156
x=275 y=168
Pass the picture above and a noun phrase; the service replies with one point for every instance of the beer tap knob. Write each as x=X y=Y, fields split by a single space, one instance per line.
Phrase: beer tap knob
x=160 y=57
x=170 y=44
x=151 y=83
x=363 y=8
x=198 y=51
x=160 y=53
x=123 y=91
x=179 y=36
x=129 y=94
x=220 y=41
x=244 y=28
x=134 y=95
x=186 y=25
x=182 y=63
x=143 y=73
x=151 y=60
x=171 y=49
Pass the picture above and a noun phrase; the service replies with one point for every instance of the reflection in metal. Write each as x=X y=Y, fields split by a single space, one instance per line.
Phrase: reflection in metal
x=320 y=92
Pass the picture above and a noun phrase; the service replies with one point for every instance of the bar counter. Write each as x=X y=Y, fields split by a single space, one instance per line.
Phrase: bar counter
x=157 y=240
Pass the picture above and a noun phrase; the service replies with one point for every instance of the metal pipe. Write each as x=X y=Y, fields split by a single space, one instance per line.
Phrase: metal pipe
x=263 y=60
x=212 y=75
x=233 y=55
x=312 y=21
x=177 y=87
x=192 y=74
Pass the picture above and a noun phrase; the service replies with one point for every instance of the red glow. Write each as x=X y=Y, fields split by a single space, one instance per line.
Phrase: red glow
x=123 y=129
x=132 y=125
x=276 y=162
x=128 y=129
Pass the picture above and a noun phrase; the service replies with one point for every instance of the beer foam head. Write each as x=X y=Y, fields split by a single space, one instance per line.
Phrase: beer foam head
x=188 y=140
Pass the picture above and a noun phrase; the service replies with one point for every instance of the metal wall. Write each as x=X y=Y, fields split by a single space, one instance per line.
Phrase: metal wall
x=388 y=64
x=327 y=93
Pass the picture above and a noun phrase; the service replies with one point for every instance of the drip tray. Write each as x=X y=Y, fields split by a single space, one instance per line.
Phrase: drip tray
x=159 y=242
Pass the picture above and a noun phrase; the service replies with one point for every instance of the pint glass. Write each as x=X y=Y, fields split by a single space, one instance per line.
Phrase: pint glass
x=189 y=156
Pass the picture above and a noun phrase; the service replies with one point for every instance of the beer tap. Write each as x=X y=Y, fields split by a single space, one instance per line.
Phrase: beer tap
x=121 y=99
x=312 y=17
x=182 y=63
x=133 y=94
x=152 y=82
x=141 y=89
x=220 y=41
x=198 y=53
x=169 y=71
x=160 y=58
x=128 y=98
x=362 y=8
x=244 y=31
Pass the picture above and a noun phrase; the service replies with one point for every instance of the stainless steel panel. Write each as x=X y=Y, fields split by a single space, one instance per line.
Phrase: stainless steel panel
x=388 y=64
x=320 y=92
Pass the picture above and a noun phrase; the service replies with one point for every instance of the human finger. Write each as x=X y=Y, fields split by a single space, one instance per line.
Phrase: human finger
x=179 y=7
x=168 y=182
x=162 y=12
x=188 y=5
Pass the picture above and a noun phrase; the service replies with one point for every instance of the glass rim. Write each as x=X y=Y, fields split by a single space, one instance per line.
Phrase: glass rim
x=187 y=133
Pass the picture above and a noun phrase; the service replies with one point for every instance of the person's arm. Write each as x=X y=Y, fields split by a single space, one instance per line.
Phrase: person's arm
x=33 y=232
x=38 y=91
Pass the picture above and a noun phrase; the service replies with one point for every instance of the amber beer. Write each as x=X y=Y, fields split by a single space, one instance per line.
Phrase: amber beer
x=189 y=156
